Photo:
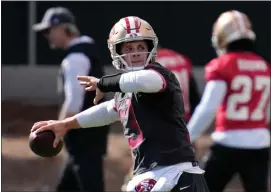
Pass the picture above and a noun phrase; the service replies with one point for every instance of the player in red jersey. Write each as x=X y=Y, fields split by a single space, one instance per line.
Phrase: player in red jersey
x=181 y=66
x=237 y=94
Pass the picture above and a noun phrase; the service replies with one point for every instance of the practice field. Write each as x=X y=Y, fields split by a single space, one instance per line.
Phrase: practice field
x=24 y=171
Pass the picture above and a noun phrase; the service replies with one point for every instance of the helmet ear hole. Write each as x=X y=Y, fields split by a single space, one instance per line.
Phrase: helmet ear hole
x=118 y=48
x=150 y=45
x=219 y=42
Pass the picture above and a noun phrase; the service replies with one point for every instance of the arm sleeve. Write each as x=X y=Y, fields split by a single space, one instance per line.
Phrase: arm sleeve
x=147 y=81
x=73 y=65
x=204 y=114
x=98 y=115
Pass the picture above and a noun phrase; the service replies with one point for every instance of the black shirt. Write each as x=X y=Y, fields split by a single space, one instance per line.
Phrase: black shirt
x=154 y=124
x=84 y=140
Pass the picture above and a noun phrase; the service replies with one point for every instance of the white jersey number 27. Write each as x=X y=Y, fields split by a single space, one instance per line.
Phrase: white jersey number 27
x=237 y=108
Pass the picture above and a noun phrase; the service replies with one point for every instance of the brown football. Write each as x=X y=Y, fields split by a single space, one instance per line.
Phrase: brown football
x=42 y=144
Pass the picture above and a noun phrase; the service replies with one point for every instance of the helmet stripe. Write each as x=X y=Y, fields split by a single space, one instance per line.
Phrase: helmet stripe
x=128 y=27
x=240 y=21
x=136 y=24
x=132 y=24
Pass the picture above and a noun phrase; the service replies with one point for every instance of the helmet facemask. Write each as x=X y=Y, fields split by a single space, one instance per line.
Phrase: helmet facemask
x=128 y=30
x=128 y=61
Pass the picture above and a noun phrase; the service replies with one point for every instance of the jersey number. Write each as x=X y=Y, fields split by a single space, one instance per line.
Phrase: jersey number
x=235 y=112
x=183 y=78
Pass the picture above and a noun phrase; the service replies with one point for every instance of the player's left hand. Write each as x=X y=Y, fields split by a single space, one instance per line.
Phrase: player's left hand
x=91 y=83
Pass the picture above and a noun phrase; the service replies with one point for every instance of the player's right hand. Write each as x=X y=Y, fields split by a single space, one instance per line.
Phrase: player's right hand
x=58 y=127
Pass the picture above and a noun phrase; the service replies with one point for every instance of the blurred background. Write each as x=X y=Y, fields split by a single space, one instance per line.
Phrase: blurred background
x=29 y=70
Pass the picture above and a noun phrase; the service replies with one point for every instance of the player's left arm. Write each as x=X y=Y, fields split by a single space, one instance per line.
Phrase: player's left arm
x=204 y=114
x=146 y=81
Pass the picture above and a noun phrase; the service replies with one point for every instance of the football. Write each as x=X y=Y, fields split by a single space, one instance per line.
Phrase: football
x=42 y=144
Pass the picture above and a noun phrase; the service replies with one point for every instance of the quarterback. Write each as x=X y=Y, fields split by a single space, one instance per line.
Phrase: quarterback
x=148 y=102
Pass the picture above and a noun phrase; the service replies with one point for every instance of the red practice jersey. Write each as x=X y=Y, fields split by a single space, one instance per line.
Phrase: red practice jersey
x=181 y=67
x=248 y=90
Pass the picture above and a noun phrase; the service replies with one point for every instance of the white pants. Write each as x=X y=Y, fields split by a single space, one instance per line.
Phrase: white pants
x=161 y=178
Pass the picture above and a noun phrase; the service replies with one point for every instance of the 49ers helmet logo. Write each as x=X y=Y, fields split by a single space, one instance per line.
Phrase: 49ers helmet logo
x=145 y=186
x=132 y=35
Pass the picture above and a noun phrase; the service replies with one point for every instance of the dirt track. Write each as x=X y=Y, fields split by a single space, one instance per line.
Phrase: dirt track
x=24 y=171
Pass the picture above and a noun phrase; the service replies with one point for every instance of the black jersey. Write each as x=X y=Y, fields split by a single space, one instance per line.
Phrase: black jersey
x=154 y=124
